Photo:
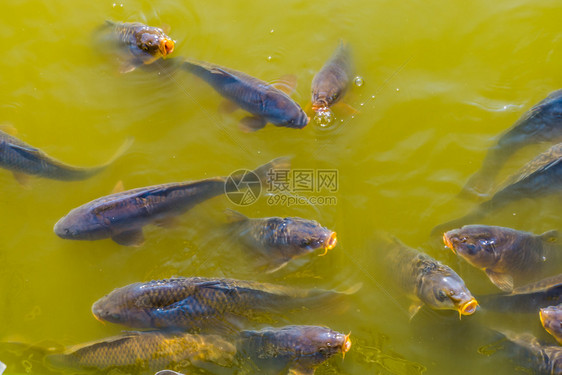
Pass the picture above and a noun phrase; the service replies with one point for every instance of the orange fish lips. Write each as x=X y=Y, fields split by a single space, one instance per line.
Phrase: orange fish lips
x=346 y=344
x=166 y=46
x=330 y=243
x=448 y=242
x=468 y=308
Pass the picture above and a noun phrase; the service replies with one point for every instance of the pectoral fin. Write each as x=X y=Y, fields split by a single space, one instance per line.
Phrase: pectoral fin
x=346 y=108
x=550 y=236
x=234 y=216
x=132 y=237
x=251 y=124
x=9 y=129
x=168 y=222
x=226 y=106
x=414 y=308
x=118 y=188
x=501 y=280
x=300 y=370
x=276 y=265
x=23 y=179
x=127 y=67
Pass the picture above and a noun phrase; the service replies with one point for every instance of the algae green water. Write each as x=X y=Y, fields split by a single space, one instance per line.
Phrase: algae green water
x=440 y=81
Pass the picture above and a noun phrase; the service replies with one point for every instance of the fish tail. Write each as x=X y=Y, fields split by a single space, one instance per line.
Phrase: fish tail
x=68 y=173
x=267 y=172
x=326 y=300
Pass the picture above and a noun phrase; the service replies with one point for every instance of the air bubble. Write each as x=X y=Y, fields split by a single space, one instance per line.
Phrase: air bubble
x=323 y=117
x=358 y=81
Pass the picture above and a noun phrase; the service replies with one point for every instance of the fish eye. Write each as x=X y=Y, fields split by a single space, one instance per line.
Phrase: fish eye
x=441 y=295
x=115 y=316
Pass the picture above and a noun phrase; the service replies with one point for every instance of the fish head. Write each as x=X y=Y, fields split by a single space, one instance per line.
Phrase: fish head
x=443 y=289
x=480 y=245
x=79 y=224
x=283 y=111
x=319 y=343
x=309 y=235
x=154 y=42
x=324 y=97
x=123 y=306
x=551 y=320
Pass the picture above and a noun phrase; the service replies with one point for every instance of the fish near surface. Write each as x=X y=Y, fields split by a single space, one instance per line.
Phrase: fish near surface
x=144 y=44
x=503 y=253
x=542 y=123
x=540 y=177
x=426 y=281
x=122 y=216
x=278 y=240
x=198 y=303
x=296 y=349
x=551 y=320
x=23 y=159
x=331 y=83
x=529 y=298
x=266 y=103
x=146 y=352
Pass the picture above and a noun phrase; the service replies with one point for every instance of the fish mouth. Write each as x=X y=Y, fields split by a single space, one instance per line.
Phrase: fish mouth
x=542 y=316
x=346 y=344
x=319 y=105
x=330 y=243
x=449 y=243
x=468 y=308
x=166 y=46
x=98 y=318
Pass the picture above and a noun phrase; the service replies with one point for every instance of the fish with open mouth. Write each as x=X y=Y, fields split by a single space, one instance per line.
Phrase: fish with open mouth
x=278 y=240
x=503 y=253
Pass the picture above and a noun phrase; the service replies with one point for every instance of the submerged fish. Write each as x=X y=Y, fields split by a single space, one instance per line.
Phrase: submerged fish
x=23 y=159
x=198 y=303
x=266 y=103
x=296 y=349
x=138 y=352
x=541 y=176
x=503 y=253
x=526 y=299
x=427 y=281
x=279 y=240
x=145 y=44
x=330 y=84
x=528 y=352
x=122 y=216
x=551 y=320
x=542 y=123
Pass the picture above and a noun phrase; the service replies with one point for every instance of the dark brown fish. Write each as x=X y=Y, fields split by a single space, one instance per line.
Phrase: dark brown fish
x=542 y=123
x=122 y=216
x=551 y=320
x=146 y=352
x=426 y=281
x=541 y=176
x=529 y=353
x=278 y=240
x=296 y=349
x=331 y=83
x=529 y=298
x=198 y=303
x=503 y=253
x=266 y=103
x=144 y=44
x=23 y=159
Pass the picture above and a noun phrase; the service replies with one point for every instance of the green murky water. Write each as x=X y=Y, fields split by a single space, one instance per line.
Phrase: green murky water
x=441 y=79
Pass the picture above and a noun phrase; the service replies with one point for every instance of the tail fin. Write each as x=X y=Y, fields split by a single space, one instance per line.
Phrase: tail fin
x=266 y=172
x=330 y=300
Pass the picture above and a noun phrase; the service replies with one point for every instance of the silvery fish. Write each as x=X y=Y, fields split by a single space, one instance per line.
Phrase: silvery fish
x=503 y=253
x=278 y=240
x=529 y=353
x=539 y=177
x=542 y=123
x=122 y=216
x=551 y=320
x=266 y=103
x=297 y=350
x=23 y=159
